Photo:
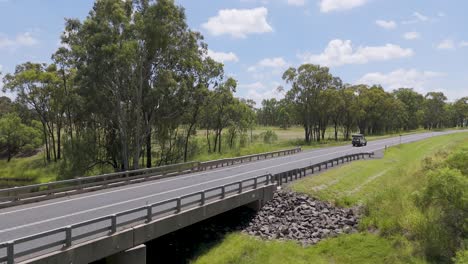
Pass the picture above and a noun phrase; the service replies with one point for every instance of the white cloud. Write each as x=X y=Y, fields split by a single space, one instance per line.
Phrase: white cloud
x=337 y=5
x=446 y=44
x=238 y=22
x=400 y=78
x=463 y=44
x=257 y=91
x=418 y=17
x=341 y=52
x=223 y=56
x=441 y=14
x=296 y=2
x=277 y=62
x=22 y=39
x=411 y=35
x=386 y=24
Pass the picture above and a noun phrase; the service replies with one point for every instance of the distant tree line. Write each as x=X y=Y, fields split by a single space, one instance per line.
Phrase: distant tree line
x=317 y=101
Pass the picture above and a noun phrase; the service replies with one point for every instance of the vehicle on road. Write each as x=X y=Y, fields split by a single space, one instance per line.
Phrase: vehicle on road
x=359 y=140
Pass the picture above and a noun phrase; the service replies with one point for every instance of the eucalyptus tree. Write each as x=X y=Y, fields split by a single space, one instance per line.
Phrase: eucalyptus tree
x=16 y=137
x=307 y=85
x=134 y=61
x=36 y=87
x=434 y=111
x=413 y=106
x=222 y=100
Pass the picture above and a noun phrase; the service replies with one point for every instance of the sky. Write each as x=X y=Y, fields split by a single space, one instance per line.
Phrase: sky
x=420 y=44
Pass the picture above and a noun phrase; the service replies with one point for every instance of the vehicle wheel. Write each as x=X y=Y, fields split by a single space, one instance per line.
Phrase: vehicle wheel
x=365 y=144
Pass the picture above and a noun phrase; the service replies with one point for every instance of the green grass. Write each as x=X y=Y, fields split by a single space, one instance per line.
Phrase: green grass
x=354 y=248
x=357 y=182
x=32 y=169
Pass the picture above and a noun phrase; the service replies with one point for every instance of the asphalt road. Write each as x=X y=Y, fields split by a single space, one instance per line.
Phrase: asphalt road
x=25 y=220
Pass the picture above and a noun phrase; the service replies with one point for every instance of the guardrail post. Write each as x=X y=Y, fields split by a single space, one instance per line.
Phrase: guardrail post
x=202 y=197
x=113 y=223
x=10 y=252
x=68 y=236
x=149 y=213
x=240 y=187
x=255 y=181
x=178 y=206
x=223 y=191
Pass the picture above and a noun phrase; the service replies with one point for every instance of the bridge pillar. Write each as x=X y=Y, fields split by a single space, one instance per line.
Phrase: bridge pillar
x=136 y=255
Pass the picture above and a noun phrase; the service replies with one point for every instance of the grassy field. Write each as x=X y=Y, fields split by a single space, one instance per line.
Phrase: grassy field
x=31 y=169
x=357 y=182
x=385 y=188
x=239 y=248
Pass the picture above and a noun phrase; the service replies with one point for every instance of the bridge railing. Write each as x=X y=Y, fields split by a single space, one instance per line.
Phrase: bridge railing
x=44 y=191
x=231 y=161
x=65 y=237
x=298 y=173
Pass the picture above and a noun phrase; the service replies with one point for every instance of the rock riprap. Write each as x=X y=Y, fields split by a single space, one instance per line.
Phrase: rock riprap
x=299 y=217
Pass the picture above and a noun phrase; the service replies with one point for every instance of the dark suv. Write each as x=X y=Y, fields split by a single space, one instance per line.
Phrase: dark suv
x=359 y=140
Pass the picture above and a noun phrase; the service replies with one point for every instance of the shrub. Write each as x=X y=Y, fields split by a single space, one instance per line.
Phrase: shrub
x=459 y=161
x=269 y=137
x=444 y=203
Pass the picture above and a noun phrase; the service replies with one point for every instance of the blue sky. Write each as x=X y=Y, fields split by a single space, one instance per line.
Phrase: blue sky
x=422 y=44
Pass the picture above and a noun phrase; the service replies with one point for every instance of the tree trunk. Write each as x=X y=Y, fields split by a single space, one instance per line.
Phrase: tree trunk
x=44 y=129
x=59 y=129
x=220 y=142
x=336 y=131
x=148 y=149
x=208 y=139
x=189 y=131
x=216 y=141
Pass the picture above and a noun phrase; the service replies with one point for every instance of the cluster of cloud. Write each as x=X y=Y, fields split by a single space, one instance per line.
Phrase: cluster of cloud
x=238 y=22
x=399 y=78
x=296 y=2
x=338 y=5
x=411 y=35
x=20 y=40
x=274 y=63
x=417 y=17
x=223 y=56
x=340 y=52
x=449 y=44
x=386 y=24
x=257 y=91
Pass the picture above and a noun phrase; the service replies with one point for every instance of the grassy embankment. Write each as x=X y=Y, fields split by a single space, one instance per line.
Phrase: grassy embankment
x=385 y=187
x=34 y=170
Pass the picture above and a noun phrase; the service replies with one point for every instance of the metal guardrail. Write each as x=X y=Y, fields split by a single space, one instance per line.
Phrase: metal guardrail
x=151 y=212
x=294 y=174
x=45 y=191
x=129 y=218
x=231 y=161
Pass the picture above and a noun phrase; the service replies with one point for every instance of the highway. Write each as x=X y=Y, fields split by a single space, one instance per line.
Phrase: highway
x=25 y=220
